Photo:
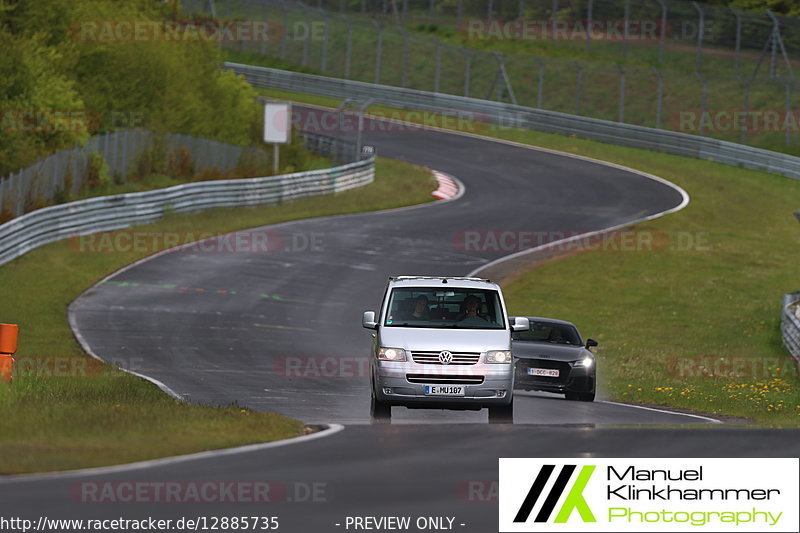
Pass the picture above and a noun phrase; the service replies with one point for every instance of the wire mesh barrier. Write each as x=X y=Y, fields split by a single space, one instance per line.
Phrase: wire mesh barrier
x=712 y=71
x=106 y=213
x=503 y=115
x=790 y=324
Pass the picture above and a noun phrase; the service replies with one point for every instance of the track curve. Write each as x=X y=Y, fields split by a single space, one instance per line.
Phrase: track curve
x=285 y=335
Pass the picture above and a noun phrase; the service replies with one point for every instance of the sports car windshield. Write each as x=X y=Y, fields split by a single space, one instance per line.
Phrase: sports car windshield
x=428 y=307
x=552 y=332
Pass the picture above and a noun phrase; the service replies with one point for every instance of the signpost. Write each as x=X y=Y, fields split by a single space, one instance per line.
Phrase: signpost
x=277 y=127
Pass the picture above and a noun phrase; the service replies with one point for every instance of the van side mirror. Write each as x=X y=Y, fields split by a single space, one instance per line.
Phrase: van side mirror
x=590 y=343
x=520 y=323
x=368 y=320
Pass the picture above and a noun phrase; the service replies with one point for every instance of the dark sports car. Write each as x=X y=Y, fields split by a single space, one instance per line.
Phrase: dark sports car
x=551 y=356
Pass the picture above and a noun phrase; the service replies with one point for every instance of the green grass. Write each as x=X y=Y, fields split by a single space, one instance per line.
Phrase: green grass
x=662 y=313
x=96 y=415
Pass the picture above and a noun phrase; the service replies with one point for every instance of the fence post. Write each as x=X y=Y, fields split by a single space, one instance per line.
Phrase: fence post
x=738 y=38
x=323 y=62
x=704 y=101
x=404 y=17
x=307 y=39
x=578 y=87
x=662 y=30
x=404 y=59
x=432 y=6
x=659 y=102
x=521 y=10
x=589 y=10
x=621 y=70
x=554 y=14
x=285 y=14
x=349 y=51
x=788 y=83
x=467 y=70
x=438 y=65
x=701 y=20
x=489 y=10
x=626 y=23
x=540 y=87
x=378 y=52
x=460 y=11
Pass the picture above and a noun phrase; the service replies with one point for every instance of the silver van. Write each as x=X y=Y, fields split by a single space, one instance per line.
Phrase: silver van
x=442 y=342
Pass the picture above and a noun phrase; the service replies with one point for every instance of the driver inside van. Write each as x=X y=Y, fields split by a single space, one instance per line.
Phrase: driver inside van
x=472 y=305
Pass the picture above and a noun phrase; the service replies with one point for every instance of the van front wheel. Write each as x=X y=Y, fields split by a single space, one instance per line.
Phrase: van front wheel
x=502 y=413
x=379 y=410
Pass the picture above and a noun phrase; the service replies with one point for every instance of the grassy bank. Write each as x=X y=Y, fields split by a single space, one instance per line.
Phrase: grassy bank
x=67 y=411
x=691 y=321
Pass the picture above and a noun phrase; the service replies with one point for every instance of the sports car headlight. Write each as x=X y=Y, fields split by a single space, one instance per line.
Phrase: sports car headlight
x=392 y=354
x=586 y=362
x=499 y=356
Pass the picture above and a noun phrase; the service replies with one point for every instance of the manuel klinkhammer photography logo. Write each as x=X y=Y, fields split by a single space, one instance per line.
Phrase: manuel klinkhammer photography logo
x=688 y=494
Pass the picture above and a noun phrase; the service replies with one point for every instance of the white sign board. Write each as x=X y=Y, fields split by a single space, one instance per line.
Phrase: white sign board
x=277 y=122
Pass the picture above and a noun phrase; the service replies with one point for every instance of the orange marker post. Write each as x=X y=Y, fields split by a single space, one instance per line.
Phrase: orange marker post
x=8 y=346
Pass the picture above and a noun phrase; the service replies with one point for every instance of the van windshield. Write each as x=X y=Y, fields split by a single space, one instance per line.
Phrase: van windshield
x=429 y=307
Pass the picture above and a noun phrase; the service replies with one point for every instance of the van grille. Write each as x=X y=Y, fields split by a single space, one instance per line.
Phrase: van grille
x=459 y=358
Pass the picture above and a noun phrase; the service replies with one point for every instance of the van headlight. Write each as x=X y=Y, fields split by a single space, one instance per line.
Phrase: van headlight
x=392 y=354
x=499 y=356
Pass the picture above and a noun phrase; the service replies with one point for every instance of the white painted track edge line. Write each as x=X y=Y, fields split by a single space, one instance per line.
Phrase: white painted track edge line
x=702 y=417
x=330 y=430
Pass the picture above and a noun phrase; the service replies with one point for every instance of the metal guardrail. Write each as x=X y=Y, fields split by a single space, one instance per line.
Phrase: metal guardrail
x=510 y=115
x=790 y=324
x=107 y=213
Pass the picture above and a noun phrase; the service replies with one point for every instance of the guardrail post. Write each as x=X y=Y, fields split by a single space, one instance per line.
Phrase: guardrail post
x=8 y=347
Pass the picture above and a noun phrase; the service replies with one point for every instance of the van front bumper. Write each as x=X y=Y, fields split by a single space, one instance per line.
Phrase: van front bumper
x=405 y=384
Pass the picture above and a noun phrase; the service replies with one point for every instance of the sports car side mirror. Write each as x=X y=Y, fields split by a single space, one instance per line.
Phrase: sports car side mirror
x=590 y=343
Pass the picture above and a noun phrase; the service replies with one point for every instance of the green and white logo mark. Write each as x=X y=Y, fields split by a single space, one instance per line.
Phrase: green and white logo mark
x=573 y=501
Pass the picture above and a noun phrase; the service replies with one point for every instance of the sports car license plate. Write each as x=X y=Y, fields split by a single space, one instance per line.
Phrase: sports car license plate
x=445 y=390
x=547 y=372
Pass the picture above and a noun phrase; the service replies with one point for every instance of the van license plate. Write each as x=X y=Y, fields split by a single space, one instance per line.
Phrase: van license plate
x=445 y=390
x=548 y=372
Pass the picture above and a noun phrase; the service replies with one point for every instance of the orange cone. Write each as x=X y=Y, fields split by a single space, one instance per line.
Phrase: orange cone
x=8 y=346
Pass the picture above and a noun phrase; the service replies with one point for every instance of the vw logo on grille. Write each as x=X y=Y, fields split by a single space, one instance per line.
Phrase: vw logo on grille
x=445 y=357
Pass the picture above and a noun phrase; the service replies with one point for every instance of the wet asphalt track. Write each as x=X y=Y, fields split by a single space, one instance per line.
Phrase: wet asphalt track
x=285 y=336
